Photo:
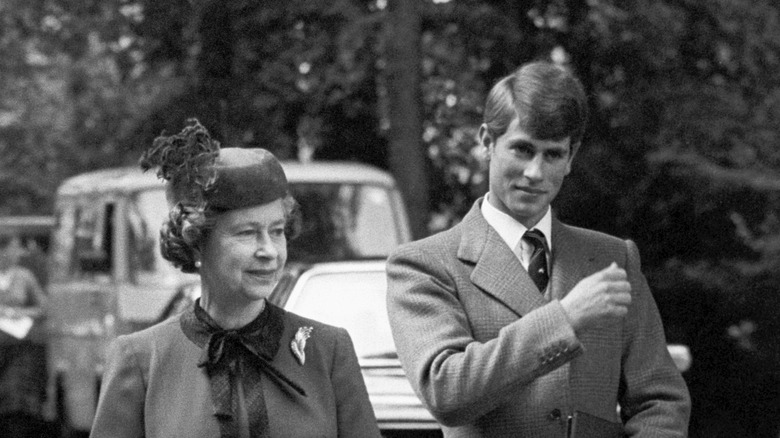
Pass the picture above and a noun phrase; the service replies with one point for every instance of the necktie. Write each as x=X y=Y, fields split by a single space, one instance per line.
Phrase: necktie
x=537 y=265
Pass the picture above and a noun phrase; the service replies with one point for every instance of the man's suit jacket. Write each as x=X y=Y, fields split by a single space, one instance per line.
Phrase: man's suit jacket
x=491 y=356
x=153 y=387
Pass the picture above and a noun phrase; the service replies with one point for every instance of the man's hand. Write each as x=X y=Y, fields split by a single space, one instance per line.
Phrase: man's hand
x=598 y=299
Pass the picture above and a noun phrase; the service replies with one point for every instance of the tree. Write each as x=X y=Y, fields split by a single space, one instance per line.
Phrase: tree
x=402 y=77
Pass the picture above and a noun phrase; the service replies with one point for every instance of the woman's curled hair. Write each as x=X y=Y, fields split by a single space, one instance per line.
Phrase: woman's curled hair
x=187 y=162
x=187 y=228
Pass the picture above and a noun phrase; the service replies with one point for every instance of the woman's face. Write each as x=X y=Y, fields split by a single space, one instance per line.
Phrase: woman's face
x=244 y=254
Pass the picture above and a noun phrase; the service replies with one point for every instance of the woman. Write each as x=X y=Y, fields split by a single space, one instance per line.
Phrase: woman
x=232 y=365
x=22 y=353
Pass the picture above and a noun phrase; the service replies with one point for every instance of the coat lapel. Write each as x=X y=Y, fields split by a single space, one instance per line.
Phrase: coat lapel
x=572 y=260
x=496 y=268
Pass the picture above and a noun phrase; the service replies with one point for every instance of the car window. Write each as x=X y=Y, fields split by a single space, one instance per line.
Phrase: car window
x=85 y=237
x=82 y=239
x=343 y=222
x=352 y=300
x=93 y=238
x=146 y=213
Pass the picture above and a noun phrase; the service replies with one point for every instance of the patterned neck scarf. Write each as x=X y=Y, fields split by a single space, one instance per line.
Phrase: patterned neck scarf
x=245 y=354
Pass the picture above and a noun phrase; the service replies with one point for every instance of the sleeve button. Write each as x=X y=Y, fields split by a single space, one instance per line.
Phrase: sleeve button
x=555 y=414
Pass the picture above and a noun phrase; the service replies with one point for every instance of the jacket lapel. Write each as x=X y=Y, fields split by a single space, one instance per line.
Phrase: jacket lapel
x=572 y=261
x=496 y=268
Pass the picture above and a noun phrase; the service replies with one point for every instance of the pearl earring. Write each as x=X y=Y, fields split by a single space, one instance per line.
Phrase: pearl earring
x=198 y=264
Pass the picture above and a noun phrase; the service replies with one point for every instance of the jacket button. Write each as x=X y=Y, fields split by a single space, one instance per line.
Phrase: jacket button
x=555 y=414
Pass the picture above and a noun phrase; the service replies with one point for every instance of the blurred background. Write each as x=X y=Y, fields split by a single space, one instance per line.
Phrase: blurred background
x=681 y=153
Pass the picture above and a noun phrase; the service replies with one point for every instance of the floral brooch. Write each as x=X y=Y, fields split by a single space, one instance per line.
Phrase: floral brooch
x=298 y=344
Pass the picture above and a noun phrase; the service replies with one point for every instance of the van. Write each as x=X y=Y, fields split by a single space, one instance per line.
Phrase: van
x=107 y=277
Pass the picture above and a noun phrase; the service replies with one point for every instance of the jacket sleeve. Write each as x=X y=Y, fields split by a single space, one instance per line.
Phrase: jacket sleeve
x=458 y=378
x=120 y=410
x=355 y=414
x=653 y=397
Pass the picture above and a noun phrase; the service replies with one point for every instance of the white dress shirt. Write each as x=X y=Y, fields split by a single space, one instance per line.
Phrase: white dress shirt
x=511 y=231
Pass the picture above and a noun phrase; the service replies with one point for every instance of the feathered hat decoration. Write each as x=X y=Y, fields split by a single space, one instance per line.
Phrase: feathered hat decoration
x=186 y=160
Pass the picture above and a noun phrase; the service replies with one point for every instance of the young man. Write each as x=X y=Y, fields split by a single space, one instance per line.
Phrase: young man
x=545 y=333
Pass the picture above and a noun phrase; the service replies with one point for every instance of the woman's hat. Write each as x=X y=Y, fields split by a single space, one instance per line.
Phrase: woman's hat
x=246 y=177
x=199 y=172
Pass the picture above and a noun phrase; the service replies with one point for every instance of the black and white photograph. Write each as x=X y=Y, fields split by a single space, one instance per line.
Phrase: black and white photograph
x=389 y=218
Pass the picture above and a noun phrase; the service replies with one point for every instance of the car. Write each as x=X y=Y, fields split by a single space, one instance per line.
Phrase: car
x=107 y=276
x=352 y=295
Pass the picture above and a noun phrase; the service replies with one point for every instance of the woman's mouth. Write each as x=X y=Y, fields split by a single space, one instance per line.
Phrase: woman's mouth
x=262 y=273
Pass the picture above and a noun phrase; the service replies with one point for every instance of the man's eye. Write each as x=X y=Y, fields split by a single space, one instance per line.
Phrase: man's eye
x=524 y=149
x=277 y=231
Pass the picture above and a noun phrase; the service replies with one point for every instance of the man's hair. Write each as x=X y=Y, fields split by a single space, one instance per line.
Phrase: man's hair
x=548 y=100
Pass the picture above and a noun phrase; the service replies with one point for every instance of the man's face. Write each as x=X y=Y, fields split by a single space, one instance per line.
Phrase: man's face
x=525 y=173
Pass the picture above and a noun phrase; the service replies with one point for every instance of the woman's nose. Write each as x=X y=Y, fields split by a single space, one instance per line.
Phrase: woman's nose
x=265 y=246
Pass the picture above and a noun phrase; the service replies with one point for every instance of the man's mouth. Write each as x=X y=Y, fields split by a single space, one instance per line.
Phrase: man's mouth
x=530 y=190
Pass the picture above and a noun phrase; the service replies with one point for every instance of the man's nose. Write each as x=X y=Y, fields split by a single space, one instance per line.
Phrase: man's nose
x=534 y=168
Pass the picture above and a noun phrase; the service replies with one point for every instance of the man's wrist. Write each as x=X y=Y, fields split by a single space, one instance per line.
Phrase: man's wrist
x=574 y=321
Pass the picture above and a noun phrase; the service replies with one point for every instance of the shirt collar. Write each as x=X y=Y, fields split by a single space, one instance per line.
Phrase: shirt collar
x=510 y=230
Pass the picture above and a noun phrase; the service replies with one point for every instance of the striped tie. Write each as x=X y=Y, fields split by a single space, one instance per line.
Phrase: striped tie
x=537 y=265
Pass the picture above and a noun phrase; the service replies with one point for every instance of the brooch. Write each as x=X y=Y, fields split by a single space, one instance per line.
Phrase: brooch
x=298 y=344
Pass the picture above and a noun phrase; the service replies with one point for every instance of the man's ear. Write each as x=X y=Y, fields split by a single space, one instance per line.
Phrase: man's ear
x=485 y=139
x=574 y=148
x=572 y=152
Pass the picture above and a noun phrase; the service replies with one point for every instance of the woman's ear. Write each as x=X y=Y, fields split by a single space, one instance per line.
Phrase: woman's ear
x=197 y=257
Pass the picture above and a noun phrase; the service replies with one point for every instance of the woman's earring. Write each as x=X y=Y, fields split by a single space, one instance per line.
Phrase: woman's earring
x=198 y=264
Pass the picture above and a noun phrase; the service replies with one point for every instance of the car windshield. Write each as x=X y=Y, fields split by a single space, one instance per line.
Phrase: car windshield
x=343 y=222
x=85 y=239
x=354 y=300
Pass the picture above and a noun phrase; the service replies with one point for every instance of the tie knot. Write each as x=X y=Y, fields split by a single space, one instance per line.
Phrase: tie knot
x=223 y=344
x=536 y=238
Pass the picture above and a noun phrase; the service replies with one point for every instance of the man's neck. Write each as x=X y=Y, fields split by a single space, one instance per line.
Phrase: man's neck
x=509 y=228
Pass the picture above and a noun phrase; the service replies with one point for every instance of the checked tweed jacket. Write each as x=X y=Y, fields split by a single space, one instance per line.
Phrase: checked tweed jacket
x=491 y=356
